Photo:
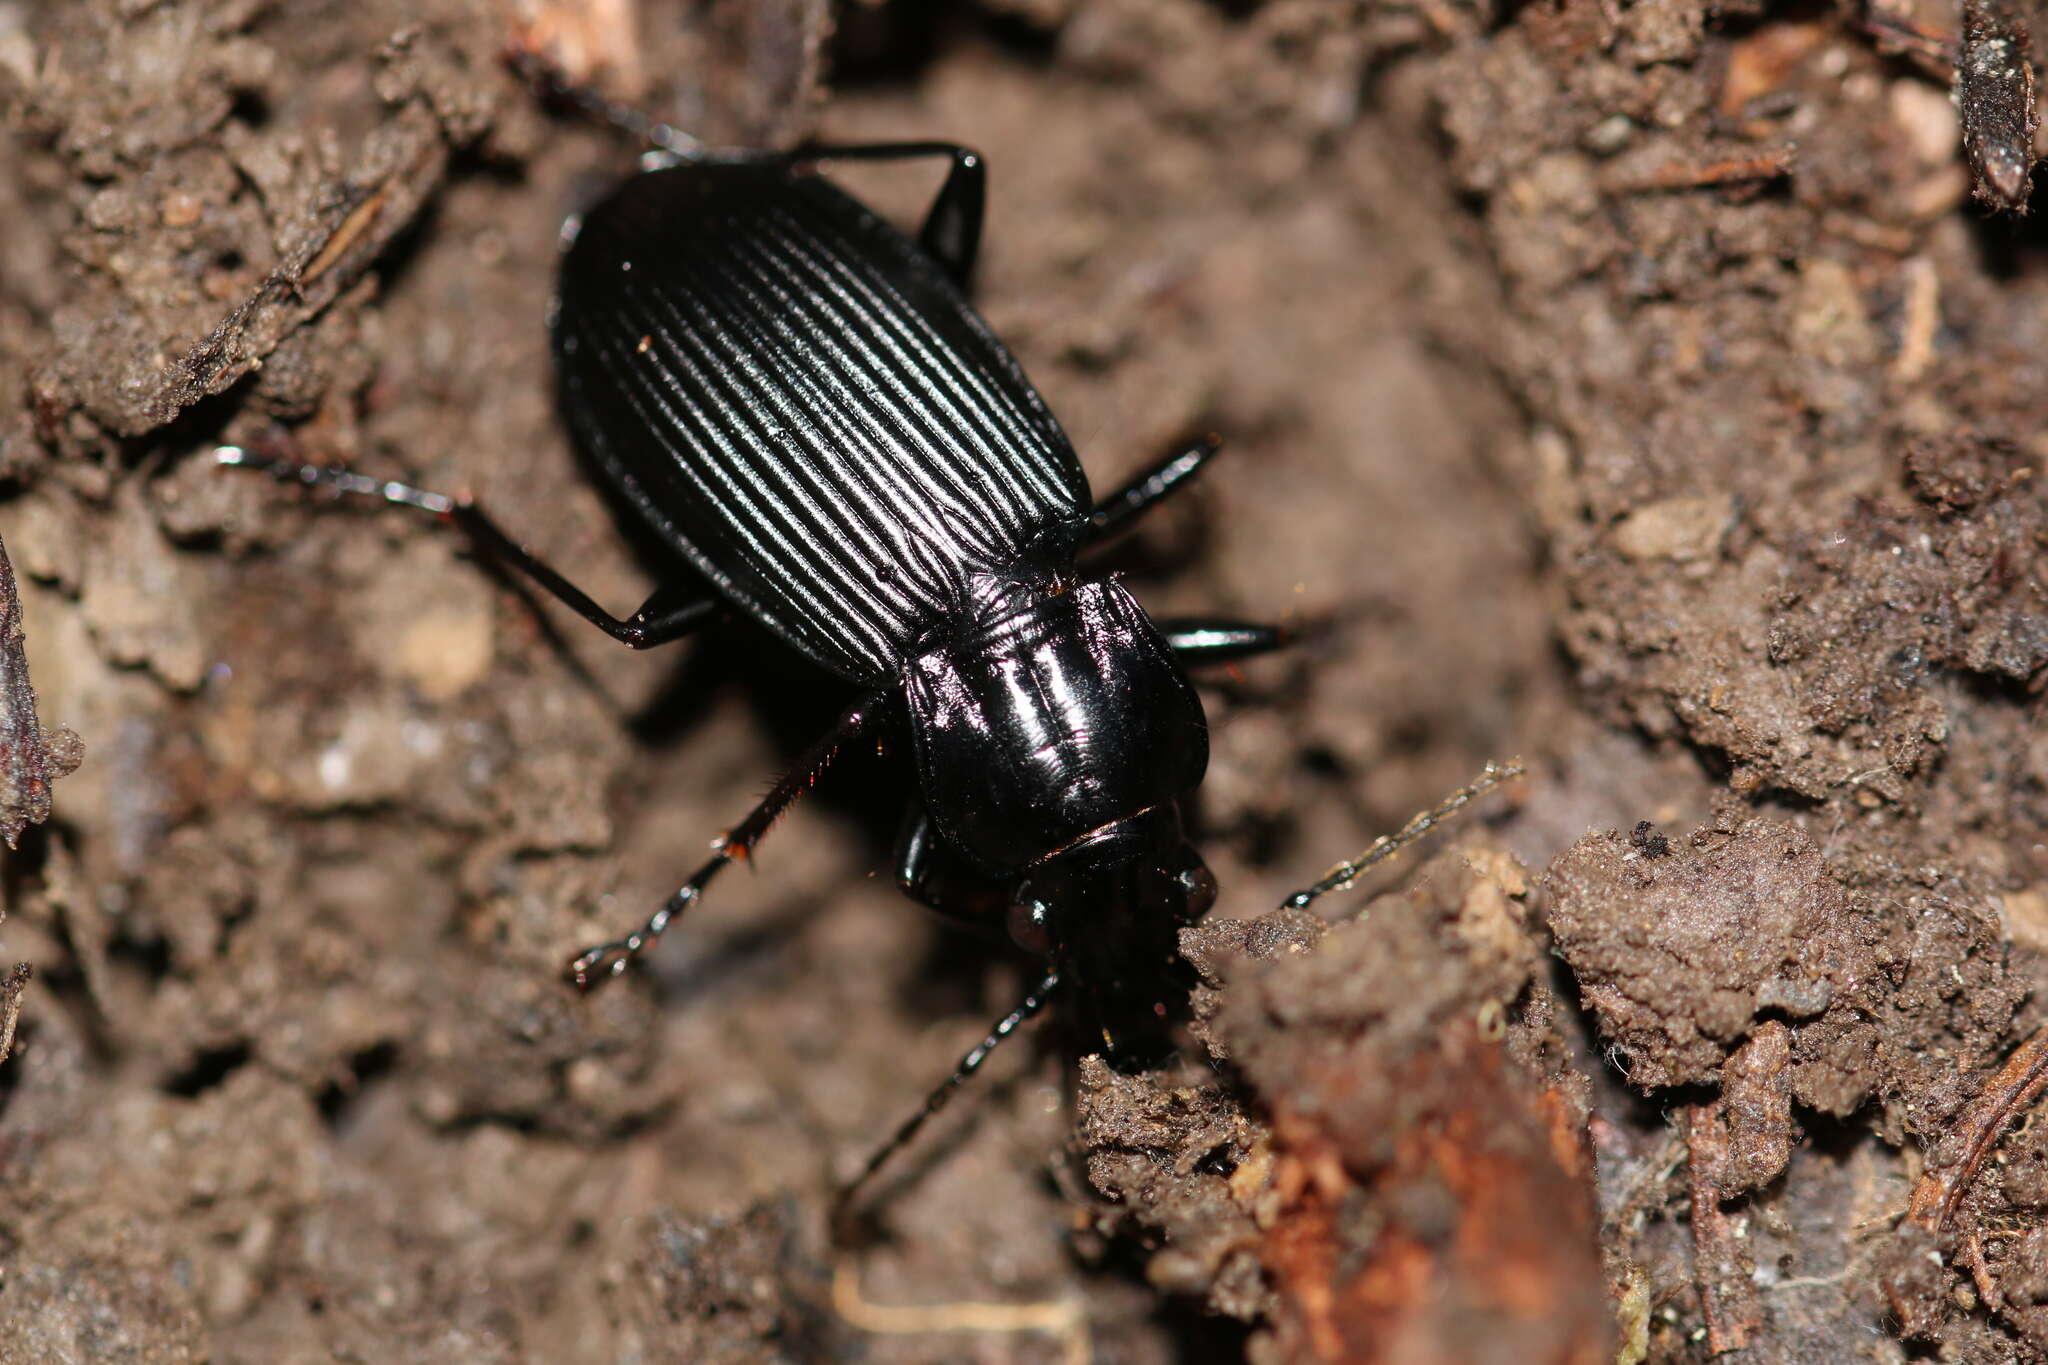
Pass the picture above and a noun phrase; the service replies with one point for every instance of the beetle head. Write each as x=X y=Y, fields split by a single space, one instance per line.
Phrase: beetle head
x=1108 y=911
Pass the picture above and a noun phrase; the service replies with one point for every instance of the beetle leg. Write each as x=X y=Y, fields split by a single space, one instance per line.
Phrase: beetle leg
x=1217 y=640
x=951 y=234
x=670 y=613
x=1115 y=513
x=607 y=960
x=1033 y=1001
x=549 y=81
x=932 y=873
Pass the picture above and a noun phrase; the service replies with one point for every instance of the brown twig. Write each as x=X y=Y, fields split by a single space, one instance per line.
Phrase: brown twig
x=10 y=1004
x=1971 y=1258
x=1914 y=1276
x=1726 y=1284
x=1771 y=164
x=1978 y=1129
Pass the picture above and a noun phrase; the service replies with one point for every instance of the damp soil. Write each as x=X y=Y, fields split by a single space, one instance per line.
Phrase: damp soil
x=1634 y=390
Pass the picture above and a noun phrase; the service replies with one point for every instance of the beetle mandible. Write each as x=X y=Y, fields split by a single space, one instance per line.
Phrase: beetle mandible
x=800 y=400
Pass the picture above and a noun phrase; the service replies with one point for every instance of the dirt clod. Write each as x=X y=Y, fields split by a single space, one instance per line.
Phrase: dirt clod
x=1680 y=956
x=1410 y=1139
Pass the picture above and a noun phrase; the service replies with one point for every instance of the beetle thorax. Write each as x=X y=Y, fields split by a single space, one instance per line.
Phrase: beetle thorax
x=1063 y=712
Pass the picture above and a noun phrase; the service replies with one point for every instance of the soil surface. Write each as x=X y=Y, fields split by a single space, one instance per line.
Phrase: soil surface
x=1636 y=390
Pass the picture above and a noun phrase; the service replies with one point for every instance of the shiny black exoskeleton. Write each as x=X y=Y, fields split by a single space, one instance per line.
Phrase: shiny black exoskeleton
x=800 y=401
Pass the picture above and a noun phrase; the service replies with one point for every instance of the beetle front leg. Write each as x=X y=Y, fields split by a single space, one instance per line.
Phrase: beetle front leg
x=1386 y=846
x=670 y=612
x=932 y=873
x=596 y=965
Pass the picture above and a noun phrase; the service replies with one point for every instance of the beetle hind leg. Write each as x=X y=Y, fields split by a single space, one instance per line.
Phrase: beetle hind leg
x=670 y=612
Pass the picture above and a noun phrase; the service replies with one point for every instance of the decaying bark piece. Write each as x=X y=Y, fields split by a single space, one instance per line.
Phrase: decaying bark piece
x=1995 y=94
x=1430 y=1198
x=1722 y=1268
x=1480 y=1241
x=1423 y=1191
x=31 y=758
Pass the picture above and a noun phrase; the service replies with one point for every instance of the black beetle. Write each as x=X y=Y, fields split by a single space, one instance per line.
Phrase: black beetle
x=801 y=401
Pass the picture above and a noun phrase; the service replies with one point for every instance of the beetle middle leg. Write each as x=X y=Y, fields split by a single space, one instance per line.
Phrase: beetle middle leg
x=607 y=960
x=670 y=612
x=1218 y=639
x=1116 y=513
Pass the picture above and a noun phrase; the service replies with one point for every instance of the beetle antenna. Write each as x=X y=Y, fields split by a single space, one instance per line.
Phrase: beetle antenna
x=1341 y=876
x=843 y=1202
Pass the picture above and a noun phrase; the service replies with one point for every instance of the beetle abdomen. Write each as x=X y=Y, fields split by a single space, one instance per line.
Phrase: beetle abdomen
x=800 y=401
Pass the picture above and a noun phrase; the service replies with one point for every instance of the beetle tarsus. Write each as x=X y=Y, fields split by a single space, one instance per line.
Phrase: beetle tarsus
x=339 y=480
x=618 y=954
x=670 y=612
x=615 y=955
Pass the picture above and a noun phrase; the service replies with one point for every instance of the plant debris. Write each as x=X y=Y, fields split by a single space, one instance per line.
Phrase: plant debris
x=1995 y=95
x=31 y=757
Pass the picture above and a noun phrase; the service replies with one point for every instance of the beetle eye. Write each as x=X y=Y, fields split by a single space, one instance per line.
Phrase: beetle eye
x=1029 y=923
x=1199 y=884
